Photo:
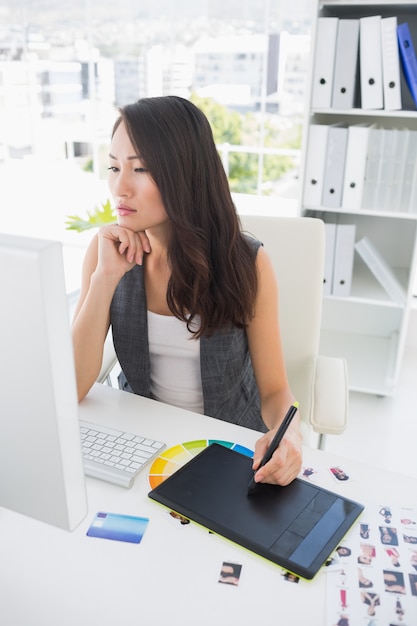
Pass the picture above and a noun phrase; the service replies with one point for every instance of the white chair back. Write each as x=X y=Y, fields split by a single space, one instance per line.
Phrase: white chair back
x=296 y=248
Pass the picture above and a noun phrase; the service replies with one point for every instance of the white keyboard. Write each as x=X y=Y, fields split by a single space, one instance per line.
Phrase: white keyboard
x=113 y=455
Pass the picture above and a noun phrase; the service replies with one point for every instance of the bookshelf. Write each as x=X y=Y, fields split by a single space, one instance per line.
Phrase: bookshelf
x=366 y=325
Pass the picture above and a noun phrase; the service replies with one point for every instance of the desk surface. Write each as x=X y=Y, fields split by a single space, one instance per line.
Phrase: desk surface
x=49 y=577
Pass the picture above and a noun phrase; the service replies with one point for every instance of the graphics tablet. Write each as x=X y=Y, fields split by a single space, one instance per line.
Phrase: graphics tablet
x=296 y=527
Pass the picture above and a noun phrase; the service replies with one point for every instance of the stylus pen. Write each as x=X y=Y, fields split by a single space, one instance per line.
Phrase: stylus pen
x=275 y=442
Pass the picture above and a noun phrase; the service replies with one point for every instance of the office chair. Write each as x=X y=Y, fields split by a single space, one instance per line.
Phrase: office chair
x=109 y=361
x=296 y=247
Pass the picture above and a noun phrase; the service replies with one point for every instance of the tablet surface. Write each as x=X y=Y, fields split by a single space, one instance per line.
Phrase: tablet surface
x=296 y=527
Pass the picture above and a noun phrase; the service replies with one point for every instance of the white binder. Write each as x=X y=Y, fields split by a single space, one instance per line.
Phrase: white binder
x=346 y=64
x=330 y=242
x=386 y=168
x=412 y=205
x=370 y=55
x=334 y=167
x=390 y=64
x=399 y=161
x=326 y=36
x=381 y=270
x=408 y=176
x=372 y=168
x=343 y=259
x=354 y=178
x=314 y=168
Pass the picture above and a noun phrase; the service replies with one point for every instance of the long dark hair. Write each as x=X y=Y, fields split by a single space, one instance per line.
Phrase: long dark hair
x=213 y=272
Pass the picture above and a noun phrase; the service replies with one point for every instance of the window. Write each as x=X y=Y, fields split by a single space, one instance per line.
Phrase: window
x=64 y=69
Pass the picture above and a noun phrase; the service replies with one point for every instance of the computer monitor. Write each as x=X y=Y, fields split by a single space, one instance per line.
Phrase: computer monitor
x=41 y=468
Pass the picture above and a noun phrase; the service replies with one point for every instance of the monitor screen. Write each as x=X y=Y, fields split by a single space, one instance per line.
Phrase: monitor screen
x=41 y=466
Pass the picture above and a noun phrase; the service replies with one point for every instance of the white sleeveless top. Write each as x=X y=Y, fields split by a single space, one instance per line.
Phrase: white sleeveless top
x=175 y=363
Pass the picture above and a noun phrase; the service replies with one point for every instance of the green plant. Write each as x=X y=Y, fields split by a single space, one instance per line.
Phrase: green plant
x=96 y=218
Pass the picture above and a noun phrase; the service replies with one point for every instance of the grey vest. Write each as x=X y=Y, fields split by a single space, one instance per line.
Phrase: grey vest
x=229 y=388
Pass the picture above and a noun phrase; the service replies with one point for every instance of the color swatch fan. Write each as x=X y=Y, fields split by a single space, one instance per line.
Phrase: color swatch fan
x=174 y=458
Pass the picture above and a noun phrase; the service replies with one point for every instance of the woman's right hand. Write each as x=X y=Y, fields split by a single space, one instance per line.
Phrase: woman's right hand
x=120 y=249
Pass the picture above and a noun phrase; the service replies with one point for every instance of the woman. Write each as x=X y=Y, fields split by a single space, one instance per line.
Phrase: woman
x=192 y=302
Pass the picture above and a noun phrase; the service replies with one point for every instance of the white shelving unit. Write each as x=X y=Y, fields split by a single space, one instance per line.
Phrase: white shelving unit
x=367 y=326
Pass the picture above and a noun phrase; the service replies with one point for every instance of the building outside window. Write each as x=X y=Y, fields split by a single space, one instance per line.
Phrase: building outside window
x=64 y=70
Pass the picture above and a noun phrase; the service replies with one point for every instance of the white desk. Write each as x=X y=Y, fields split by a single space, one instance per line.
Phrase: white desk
x=49 y=577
